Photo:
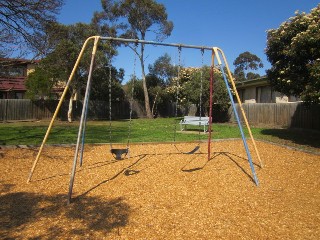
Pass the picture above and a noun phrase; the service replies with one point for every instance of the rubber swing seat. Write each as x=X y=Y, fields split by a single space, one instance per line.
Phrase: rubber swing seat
x=118 y=152
x=194 y=150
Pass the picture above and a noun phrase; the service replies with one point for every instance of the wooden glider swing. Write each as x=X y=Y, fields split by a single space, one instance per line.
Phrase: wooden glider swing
x=120 y=153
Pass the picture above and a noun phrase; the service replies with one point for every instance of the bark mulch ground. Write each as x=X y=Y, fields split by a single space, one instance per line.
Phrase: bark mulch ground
x=159 y=193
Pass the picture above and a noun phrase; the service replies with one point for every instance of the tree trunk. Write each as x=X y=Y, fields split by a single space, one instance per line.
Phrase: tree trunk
x=154 y=104
x=70 y=107
x=146 y=96
x=144 y=84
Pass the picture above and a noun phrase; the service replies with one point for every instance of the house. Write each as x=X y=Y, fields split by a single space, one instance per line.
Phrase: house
x=13 y=74
x=259 y=91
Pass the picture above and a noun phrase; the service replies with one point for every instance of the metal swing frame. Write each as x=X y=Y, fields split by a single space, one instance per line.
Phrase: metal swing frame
x=216 y=53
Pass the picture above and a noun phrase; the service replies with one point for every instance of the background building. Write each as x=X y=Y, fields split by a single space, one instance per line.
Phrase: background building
x=13 y=74
x=259 y=91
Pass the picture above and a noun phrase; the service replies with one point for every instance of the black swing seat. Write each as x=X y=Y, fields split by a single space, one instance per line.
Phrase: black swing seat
x=118 y=152
x=190 y=152
x=194 y=150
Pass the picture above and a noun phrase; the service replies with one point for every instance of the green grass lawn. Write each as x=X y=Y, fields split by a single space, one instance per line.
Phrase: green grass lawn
x=146 y=130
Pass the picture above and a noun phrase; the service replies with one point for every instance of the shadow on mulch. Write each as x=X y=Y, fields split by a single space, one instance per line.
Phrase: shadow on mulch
x=299 y=136
x=142 y=162
x=228 y=155
x=126 y=171
x=22 y=209
x=137 y=166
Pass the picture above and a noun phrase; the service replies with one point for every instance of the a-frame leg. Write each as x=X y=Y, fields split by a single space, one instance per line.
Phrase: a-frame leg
x=215 y=51
x=82 y=123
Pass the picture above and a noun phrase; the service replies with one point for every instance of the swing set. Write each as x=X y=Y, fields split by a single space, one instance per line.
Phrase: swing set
x=121 y=153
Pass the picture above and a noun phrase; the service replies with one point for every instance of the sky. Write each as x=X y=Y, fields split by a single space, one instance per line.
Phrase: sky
x=235 y=26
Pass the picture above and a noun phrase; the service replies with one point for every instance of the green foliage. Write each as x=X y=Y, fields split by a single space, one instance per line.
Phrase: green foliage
x=100 y=84
x=190 y=82
x=136 y=84
x=163 y=69
x=66 y=43
x=39 y=84
x=159 y=97
x=243 y=63
x=294 y=53
x=220 y=93
x=251 y=75
x=189 y=87
x=161 y=73
x=140 y=16
x=59 y=62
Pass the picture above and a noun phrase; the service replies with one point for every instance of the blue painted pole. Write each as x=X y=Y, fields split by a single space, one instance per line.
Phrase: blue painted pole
x=83 y=135
x=84 y=124
x=240 y=127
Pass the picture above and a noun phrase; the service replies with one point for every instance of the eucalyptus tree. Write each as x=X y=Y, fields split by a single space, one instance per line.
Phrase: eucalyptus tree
x=245 y=62
x=134 y=19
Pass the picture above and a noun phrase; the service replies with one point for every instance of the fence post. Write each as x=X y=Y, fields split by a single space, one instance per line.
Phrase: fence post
x=5 y=117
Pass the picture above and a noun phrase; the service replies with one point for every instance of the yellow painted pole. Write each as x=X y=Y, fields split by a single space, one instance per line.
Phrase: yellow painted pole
x=240 y=105
x=58 y=107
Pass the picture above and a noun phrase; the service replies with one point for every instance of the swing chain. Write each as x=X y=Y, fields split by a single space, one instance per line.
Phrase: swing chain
x=200 y=95
x=201 y=83
x=110 y=96
x=178 y=81
x=132 y=92
x=177 y=102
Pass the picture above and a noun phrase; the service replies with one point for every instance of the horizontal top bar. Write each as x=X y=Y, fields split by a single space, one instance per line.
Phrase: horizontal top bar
x=179 y=45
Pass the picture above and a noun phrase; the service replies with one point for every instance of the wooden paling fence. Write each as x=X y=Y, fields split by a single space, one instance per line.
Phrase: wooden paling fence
x=26 y=109
x=296 y=115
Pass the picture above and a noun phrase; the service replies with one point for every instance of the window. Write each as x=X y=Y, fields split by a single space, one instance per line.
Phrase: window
x=263 y=94
x=12 y=71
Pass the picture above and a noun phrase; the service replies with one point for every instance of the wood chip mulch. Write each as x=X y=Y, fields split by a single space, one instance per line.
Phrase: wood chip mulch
x=159 y=193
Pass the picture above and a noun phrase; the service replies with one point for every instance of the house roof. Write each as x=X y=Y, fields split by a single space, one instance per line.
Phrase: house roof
x=12 y=84
x=17 y=61
x=257 y=82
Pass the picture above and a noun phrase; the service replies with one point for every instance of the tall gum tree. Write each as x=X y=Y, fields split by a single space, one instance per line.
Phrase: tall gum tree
x=135 y=18
x=243 y=63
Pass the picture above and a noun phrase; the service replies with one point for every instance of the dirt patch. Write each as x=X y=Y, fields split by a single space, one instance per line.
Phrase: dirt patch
x=159 y=193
